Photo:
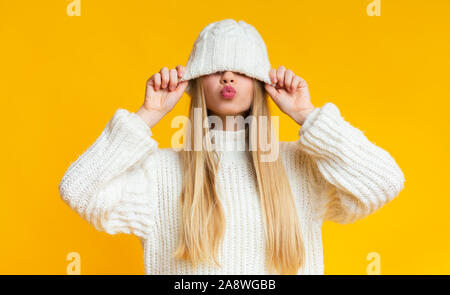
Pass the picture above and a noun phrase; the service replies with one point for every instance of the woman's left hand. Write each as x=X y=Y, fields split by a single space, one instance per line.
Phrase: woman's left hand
x=290 y=93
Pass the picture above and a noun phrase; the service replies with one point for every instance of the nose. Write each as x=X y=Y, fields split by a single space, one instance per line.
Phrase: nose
x=227 y=77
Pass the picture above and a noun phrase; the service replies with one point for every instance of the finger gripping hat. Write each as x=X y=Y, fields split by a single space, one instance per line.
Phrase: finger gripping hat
x=228 y=45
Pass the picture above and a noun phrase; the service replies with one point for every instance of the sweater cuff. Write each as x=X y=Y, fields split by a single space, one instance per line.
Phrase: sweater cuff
x=131 y=122
x=139 y=122
x=129 y=139
x=325 y=133
x=327 y=110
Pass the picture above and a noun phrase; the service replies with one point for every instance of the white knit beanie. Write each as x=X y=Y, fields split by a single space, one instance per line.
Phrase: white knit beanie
x=228 y=45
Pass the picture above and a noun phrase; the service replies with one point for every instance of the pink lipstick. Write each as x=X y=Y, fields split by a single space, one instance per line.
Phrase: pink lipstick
x=228 y=92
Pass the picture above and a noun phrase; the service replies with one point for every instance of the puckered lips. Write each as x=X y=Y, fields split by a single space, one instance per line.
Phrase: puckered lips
x=228 y=92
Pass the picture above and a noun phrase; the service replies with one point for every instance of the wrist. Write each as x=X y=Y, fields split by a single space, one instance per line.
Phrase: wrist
x=150 y=117
x=303 y=115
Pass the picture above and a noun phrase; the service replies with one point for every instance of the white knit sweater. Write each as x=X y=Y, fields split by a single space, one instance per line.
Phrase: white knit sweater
x=125 y=183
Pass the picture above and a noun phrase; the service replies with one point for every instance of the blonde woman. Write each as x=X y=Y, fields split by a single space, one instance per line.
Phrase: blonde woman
x=228 y=205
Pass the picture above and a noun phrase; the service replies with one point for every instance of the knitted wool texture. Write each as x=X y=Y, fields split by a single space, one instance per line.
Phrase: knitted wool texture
x=125 y=183
x=228 y=45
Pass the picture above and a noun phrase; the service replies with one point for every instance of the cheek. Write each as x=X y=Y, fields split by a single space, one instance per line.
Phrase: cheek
x=247 y=89
x=210 y=89
x=210 y=86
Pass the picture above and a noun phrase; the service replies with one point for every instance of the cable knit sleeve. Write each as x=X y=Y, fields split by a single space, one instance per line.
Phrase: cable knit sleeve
x=108 y=185
x=354 y=176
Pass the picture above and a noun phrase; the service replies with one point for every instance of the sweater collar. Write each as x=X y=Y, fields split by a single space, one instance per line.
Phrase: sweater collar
x=228 y=140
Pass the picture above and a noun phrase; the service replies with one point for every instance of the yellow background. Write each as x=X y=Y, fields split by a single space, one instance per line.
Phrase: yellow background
x=63 y=77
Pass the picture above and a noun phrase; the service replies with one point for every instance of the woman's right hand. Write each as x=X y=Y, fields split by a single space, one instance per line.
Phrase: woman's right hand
x=162 y=94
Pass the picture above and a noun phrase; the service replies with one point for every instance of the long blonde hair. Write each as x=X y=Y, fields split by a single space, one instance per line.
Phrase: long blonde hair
x=203 y=225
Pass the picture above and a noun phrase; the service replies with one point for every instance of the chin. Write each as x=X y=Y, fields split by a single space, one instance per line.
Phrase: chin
x=229 y=108
x=230 y=112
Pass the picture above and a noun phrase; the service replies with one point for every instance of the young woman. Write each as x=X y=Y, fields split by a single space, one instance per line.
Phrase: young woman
x=221 y=209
